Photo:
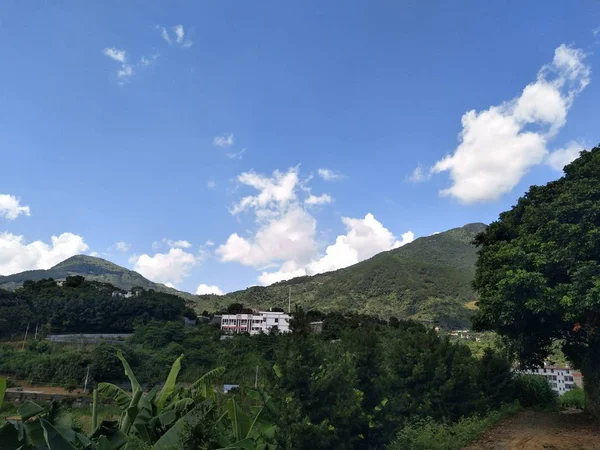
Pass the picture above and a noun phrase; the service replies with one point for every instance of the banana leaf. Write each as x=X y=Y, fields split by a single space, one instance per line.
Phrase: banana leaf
x=177 y=434
x=29 y=409
x=120 y=397
x=239 y=419
x=54 y=440
x=135 y=386
x=169 y=386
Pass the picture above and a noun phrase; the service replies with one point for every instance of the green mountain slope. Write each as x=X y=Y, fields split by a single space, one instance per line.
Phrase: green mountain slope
x=428 y=279
x=93 y=269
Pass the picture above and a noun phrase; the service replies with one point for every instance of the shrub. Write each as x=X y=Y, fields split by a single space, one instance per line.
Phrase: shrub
x=533 y=391
x=427 y=434
x=573 y=399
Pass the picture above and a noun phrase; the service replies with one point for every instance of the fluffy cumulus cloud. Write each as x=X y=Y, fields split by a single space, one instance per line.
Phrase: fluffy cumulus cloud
x=175 y=36
x=499 y=145
x=204 y=289
x=285 y=236
x=171 y=267
x=170 y=243
x=329 y=175
x=563 y=156
x=16 y=255
x=364 y=238
x=11 y=208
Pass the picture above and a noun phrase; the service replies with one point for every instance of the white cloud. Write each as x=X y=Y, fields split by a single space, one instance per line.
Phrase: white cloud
x=16 y=255
x=499 y=145
x=126 y=71
x=170 y=285
x=563 y=156
x=10 y=207
x=209 y=243
x=223 y=141
x=329 y=175
x=364 y=238
x=175 y=37
x=288 y=236
x=122 y=246
x=116 y=54
x=419 y=175
x=275 y=193
x=211 y=184
x=236 y=155
x=147 y=61
x=171 y=267
x=170 y=243
x=204 y=289
x=286 y=232
x=322 y=199
x=596 y=31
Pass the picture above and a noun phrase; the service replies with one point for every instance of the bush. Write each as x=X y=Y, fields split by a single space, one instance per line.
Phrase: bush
x=533 y=391
x=573 y=399
x=430 y=435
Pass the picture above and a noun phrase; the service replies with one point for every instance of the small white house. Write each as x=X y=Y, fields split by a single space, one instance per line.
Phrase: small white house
x=256 y=323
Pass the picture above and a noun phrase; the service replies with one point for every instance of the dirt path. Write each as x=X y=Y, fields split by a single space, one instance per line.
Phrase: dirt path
x=530 y=430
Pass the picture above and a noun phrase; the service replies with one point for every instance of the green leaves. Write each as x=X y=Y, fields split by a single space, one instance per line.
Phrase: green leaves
x=2 y=390
x=120 y=397
x=169 y=386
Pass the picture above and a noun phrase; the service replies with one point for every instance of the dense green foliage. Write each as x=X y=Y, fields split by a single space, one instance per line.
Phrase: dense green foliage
x=427 y=434
x=81 y=306
x=534 y=391
x=575 y=398
x=92 y=269
x=426 y=280
x=352 y=387
x=538 y=272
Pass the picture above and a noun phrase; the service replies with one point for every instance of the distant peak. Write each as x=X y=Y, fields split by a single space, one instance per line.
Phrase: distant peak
x=83 y=259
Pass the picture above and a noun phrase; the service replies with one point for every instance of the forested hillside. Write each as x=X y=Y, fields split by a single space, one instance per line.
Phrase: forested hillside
x=428 y=279
x=93 y=269
x=82 y=306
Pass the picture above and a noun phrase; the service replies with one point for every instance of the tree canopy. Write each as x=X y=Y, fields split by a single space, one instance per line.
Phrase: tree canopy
x=538 y=272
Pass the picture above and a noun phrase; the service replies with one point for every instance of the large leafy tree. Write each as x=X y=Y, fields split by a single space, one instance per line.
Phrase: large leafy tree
x=538 y=272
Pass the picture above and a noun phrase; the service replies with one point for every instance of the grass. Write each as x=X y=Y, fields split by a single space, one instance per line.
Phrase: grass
x=430 y=435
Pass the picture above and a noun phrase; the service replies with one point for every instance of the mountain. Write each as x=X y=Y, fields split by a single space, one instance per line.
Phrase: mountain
x=428 y=279
x=94 y=269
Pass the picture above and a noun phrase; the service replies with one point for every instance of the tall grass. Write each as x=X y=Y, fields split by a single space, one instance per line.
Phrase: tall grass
x=430 y=435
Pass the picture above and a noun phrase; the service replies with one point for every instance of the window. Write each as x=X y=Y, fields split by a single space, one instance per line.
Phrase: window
x=568 y=387
x=551 y=370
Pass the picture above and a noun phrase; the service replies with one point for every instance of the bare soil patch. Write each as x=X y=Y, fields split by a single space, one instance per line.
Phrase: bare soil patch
x=533 y=430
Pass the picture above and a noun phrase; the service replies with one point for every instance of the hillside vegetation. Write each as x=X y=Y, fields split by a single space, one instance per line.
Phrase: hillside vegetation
x=428 y=280
x=92 y=269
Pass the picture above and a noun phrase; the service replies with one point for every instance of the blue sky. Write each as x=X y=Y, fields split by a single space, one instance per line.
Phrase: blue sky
x=185 y=139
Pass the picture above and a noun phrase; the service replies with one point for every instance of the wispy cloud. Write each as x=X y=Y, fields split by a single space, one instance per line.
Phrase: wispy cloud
x=596 y=31
x=419 y=175
x=148 y=61
x=223 y=141
x=330 y=175
x=211 y=184
x=236 y=155
x=175 y=36
x=125 y=72
x=116 y=54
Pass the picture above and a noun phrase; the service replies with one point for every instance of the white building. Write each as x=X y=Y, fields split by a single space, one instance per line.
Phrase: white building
x=256 y=323
x=561 y=379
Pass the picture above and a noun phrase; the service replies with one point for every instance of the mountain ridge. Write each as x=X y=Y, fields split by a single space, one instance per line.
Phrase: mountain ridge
x=92 y=268
x=428 y=279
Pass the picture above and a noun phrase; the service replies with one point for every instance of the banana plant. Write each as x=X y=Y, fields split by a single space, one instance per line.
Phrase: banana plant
x=2 y=390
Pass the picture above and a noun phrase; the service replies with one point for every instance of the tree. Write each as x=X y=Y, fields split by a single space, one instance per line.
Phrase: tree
x=538 y=273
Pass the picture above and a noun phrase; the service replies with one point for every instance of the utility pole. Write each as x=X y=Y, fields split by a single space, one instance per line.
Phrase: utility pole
x=256 y=378
x=24 y=339
x=289 y=300
x=87 y=375
x=36 y=330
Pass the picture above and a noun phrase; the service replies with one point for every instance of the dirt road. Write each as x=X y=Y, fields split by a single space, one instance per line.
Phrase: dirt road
x=530 y=430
